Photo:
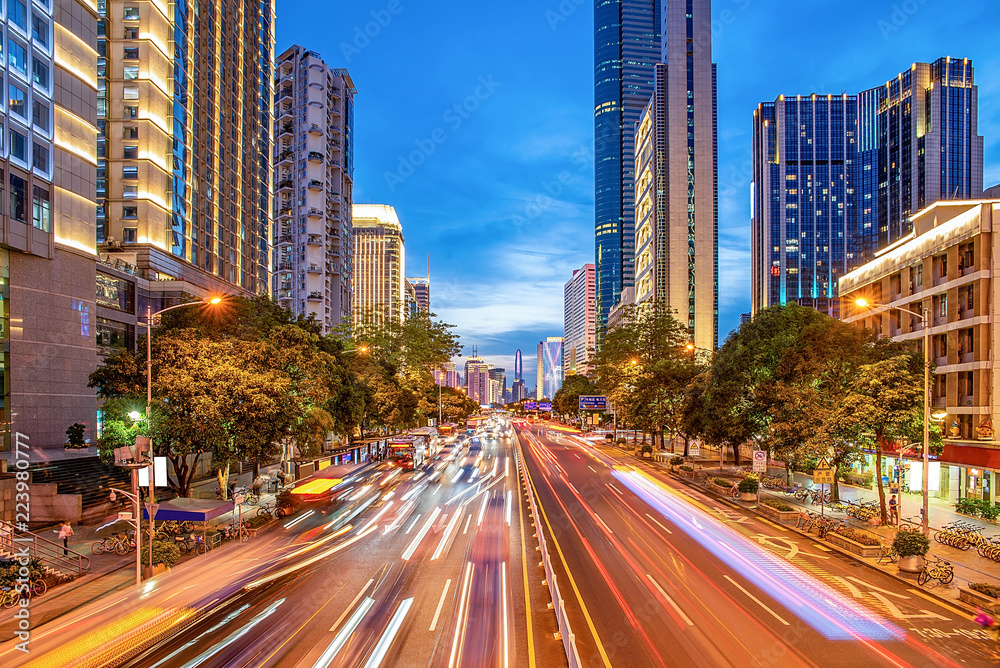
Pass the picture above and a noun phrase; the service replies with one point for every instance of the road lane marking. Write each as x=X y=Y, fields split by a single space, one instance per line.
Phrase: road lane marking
x=884 y=591
x=603 y=523
x=855 y=592
x=591 y=468
x=757 y=600
x=437 y=613
x=616 y=489
x=527 y=593
x=657 y=522
x=572 y=488
x=467 y=521
x=413 y=523
x=949 y=608
x=351 y=606
x=670 y=600
x=898 y=614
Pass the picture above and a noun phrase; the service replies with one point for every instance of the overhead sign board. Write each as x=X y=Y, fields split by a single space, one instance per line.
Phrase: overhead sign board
x=531 y=405
x=592 y=402
x=760 y=461
x=544 y=405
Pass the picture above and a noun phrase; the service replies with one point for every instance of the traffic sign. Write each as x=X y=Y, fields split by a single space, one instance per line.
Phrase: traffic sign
x=760 y=461
x=823 y=476
x=591 y=402
x=693 y=450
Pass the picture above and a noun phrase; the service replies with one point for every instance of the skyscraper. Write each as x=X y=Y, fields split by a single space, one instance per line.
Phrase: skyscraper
x=379 y=284
x=918 y=134
x=184 y=144
x=803 y=209
x=499 y=390
x=421 y=292
x=518 y=366
x=579 y=331
x=549 y=372
x=626 y=46
x=477 y=385
x=314 y=181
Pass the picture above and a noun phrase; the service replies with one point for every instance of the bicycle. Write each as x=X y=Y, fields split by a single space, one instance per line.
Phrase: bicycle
x=11 y=596
x=940 y=570
x=38 y=587
x=191 y=543
x=888 y=554
x=266 y=509
x=119 y=543
x=249 y=497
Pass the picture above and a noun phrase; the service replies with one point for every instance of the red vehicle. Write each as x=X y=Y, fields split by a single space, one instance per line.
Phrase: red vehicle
x=407 y=452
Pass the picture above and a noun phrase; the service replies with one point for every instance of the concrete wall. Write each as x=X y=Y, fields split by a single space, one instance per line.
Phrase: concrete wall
x=47 y=507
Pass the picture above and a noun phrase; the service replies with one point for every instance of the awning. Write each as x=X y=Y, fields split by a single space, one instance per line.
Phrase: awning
x=969 y=455
x=190 y=510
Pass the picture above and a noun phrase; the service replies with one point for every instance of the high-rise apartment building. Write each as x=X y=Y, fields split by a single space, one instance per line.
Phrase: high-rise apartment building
x=446 y=375
x=314 y=185
x=918 y=134
x=421 y=292
x=626 y=46
x=549 y=372
x=803 y=209
x=498 y=386
x=518 y=391
x=184 y=144
x=48 y=177
x=579 y=330
x=477 y=385
x=379 y=283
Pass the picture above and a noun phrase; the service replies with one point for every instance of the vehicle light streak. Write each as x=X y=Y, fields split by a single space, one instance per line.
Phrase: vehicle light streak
x=388 y=495
x=341 y=638
x=377 y=517
x=412 y=547
x=385 y=642
x=458 y=476
x=447 y=534
x=416 y=490
x=828 y=612
x=474 y=475
x=509 y=504
x=228 y=618
x=482 y=510
x=233 y=637
x=462 y=611
x=503 y=589
x=413 y=524
x=392 y=474
x=361 y=492
x=298 y=519
x=311 y=560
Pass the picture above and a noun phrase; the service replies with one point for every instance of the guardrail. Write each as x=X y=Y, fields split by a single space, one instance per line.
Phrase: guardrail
x=51 y=553
x=568 y=639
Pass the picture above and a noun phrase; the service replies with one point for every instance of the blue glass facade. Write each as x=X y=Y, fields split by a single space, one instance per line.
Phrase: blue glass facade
x=626 y=46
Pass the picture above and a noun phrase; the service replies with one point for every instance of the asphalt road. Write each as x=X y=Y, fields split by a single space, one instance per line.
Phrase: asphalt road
x=657 y=573
x=404 y=569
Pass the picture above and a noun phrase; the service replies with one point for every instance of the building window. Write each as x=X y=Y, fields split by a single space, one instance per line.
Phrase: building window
x=131 y=33
x=16 y=101
x=111 y=335
x=18 y=204
x=40 y=73
x=130 y=132
x=40 y=216
x=131 y=72
x=131 y=53
x=130 y=152
x=18 y=57
x=129 y=235
x=130 y=212
x=17 y=14
x=131 y=92
x=40 y=115
x=40 y=30
x=130 y=172
x=130 y=191
x=40 y=157
x=18 y=146
x=131 y=111
x=131 y=13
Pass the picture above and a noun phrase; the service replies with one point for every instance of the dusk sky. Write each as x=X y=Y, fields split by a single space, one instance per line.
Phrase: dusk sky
x=475 y=121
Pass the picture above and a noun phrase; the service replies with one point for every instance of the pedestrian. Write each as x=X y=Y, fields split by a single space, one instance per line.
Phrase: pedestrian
x=65 y=531
x=893 y=510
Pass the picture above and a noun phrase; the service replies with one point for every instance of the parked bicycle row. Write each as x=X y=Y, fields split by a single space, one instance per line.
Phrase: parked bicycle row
x=10 y=596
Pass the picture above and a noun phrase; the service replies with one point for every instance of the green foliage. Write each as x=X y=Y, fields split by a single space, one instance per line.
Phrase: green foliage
x=778 y=505
x=862 y=537
x=748 y=485
x=911 y=544
x=164 y=552
x=567 y=399
x=256 y=521
x=687 y=469
x=676 y=461
x=74 y=435
x=9 y=571
x=989 y=510
x=722 y=482
x=968 y=506
x=647 y=448
x=985 y=588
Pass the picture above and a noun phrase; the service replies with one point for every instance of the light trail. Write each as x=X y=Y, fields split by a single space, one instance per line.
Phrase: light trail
x=233 y=637
x=503 y=591
x=482 y=511
x=408 y=552
x=377 y=517
x=341 y=638
x=385 y=642
x=462 y=611
x=447 y=534
x=437 y=613
x=298 y=519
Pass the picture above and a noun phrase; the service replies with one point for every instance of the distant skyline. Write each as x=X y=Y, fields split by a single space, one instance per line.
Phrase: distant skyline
x=477 y=125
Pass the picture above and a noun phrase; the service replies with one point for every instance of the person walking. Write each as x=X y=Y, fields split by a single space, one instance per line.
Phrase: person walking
x=65 y=531
x=893 y=510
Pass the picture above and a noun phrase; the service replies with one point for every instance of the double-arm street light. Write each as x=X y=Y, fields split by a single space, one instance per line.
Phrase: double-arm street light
x=925 y=323
x=150 y=314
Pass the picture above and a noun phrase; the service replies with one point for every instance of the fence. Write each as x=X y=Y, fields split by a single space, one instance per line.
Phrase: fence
x=50 y=552
x=568 y=639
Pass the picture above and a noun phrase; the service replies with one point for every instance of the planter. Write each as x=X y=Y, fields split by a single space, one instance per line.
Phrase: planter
x=647 y=455
x=973 y=597
x=157 y=570
x=780 y=515
x=747 y=496
x=720 y=490
x=913 y=564
x=854 y=547
x=688 y=474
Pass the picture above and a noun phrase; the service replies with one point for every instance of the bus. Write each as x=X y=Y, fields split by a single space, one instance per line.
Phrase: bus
x=446 y=429
x=406 y=452
x=432 y=441
x=472 y=424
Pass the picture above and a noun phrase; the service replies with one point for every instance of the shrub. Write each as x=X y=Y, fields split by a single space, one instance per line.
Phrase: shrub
x=647 y=448
x=778 y=505
x=858 y=479
x=985 y=588
x=9 y=571
x=687 y=468
x=749 y=485
x=911 y=544
x=676 y=461
x=988 y=510
x=722 y=482
x=968 y=506
x=164 y=552
x=858 y=536
x=74 y=435
x=256 y=521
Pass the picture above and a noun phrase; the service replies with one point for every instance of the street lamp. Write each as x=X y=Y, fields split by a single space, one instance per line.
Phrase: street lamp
x=212 y=301
x=925 y=325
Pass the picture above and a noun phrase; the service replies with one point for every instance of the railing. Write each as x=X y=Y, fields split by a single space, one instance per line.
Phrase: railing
x=568 y=639
x=50 y=552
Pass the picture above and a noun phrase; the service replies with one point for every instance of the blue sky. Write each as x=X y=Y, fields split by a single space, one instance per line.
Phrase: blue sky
x=475 y=120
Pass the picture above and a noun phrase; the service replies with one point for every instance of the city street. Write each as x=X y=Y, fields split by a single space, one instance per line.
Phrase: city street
x=657 y=573
x=406 y=569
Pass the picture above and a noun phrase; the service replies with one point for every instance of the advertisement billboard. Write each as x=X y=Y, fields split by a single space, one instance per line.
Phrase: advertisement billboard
x=592 y=402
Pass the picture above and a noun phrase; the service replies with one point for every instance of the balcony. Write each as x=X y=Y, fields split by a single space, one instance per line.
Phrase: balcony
x=315 y=130
x=285 y=285
x=314 y=269
x=315 y=185
x=285 y=155
x=314 y=212
x=286 y=111
x=285 y=239
x=333 y=268
x=315 y=156
x=287 y=127
x=285 y=92
x=283 y=295
x=315 y=296
x=284 y=183
x=315 y=240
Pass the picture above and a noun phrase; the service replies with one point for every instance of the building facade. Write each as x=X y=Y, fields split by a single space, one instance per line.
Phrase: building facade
x=314 y=187
x=498 y=386
x=48 y=178
x=184 y=143
x=477 y=379
x=947 y=271
x=421 y=293
x=379 y=256
x=446 y=375
x=803 y=218
x=626 y=46
x=518 y=366
x=920 y=143
x=550 y=369
x=579 y=323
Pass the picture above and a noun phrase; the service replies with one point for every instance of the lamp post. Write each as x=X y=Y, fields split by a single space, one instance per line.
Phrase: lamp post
x=149 y=404
x=925 y=325
x=134 y=498
x=441 y=377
